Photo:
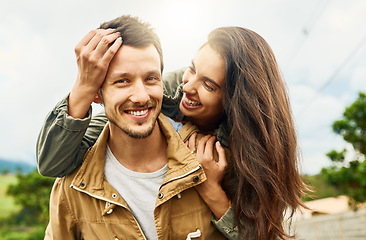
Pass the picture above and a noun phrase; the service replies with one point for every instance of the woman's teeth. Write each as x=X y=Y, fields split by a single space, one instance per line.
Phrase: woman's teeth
x=138 y=113
x=191 y=103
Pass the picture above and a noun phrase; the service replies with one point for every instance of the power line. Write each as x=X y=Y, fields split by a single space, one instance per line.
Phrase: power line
x=335 y=73
x=306 y=30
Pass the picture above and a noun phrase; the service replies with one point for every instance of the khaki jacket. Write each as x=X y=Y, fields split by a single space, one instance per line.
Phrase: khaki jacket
x=84 y=206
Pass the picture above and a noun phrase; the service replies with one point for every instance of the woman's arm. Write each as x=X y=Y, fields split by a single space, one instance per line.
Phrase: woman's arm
x=64 y=140
x=214 y=164
x=173 y=92
x=227 y=225
x=61 y=144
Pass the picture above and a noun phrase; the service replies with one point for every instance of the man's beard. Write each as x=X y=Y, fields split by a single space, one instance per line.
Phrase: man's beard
x=133 y=134
x=128 y=130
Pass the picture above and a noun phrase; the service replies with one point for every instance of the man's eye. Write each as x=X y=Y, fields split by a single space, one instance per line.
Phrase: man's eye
x=152 y=78
x=121 y=81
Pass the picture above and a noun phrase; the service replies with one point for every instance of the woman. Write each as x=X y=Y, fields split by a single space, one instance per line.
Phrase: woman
x=262 y=179
x=233 y=89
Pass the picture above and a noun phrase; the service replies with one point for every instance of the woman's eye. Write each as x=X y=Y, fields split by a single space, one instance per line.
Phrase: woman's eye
x=192 y=69
x=208 y=87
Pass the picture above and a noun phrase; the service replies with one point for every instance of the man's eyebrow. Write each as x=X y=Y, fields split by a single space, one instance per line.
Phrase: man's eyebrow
x=153 y=72
x=127 y=74
x=207 y=78
x=120 y=75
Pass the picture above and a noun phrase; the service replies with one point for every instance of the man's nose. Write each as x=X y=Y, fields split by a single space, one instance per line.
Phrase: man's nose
x=139 y=93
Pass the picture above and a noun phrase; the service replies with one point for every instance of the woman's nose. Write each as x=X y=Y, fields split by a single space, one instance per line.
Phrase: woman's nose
x=189 y=85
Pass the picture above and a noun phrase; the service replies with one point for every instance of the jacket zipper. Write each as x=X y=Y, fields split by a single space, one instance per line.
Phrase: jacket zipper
x=181 y=176
x=107 y=200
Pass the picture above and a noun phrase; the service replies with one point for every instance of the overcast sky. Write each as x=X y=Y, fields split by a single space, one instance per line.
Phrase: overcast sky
x=319 y=44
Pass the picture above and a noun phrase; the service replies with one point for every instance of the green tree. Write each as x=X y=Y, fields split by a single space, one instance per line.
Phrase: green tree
x=320 y=187
x=32 y=193
x=4 y=171
x=349 y=177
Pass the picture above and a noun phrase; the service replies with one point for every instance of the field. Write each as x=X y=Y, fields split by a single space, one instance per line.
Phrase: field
x=7 y=205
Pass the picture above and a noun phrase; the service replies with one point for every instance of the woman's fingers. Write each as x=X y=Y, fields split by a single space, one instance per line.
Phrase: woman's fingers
x=100 y=34
x=105 y=44
x=97 y=43
x=84 y=41
x=111 y=51
x=222 y=163
x=205 y=149
x=205 y=152
x=92 y=39
x=202 y=145
x=191 y=142
x=210 y=147
x=94 y=54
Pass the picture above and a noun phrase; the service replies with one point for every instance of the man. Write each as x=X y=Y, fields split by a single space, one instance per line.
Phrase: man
x=137 y=181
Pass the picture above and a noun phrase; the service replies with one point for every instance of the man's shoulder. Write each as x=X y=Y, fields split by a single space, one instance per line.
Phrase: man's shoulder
x=184 y=129
x=176 y=124
x=66 y=181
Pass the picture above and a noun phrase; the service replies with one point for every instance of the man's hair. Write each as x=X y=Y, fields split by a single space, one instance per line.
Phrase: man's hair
x=135 y=33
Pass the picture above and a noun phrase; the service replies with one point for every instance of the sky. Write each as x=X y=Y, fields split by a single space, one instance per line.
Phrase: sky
x=320 y=46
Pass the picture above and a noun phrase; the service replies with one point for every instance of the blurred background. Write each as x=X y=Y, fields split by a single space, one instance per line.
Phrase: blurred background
x=320 y=46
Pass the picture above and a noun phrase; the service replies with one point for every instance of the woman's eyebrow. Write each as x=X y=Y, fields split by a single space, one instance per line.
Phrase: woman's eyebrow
x=212 y=81
x=206 y=78
x=193 y=66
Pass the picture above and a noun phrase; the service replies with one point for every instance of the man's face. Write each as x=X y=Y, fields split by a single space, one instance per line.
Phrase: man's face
x=132 y=91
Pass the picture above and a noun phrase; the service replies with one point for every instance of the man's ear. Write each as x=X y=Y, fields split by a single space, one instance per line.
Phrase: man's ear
x=98 y=98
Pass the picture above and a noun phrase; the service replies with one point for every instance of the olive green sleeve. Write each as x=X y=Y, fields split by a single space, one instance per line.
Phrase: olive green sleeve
x=227 y=225
x=63 y=140
x=173 y=92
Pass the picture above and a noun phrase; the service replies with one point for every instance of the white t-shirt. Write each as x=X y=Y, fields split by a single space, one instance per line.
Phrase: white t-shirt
x=139 y=190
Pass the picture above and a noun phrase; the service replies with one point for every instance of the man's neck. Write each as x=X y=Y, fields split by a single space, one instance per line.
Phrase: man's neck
x=139 y=155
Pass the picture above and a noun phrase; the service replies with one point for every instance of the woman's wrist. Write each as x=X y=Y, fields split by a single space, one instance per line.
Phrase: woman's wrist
x=80 y=100
x=216 y=199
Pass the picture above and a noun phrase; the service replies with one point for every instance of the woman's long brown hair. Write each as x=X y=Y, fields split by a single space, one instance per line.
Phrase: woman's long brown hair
x=262 y=179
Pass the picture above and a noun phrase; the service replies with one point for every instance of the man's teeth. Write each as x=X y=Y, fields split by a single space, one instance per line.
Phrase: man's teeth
x=191 y=103
x=138 y=113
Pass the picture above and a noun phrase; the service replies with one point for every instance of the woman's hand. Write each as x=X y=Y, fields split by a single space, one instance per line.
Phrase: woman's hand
x=93 y=54
x=211 y=190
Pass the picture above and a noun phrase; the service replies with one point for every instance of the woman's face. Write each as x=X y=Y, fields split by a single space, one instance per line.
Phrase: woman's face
x=203 y=89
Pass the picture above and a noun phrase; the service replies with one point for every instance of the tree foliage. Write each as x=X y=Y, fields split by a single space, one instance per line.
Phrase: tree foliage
x=32 y=193
x=350 y=176
x=320 y=187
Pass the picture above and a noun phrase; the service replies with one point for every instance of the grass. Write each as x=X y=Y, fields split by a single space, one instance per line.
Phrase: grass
x=7 y=205
x=27 y=233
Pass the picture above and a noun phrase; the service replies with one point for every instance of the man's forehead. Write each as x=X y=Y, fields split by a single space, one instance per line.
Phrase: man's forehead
x=130 y=60
x=127 y=51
